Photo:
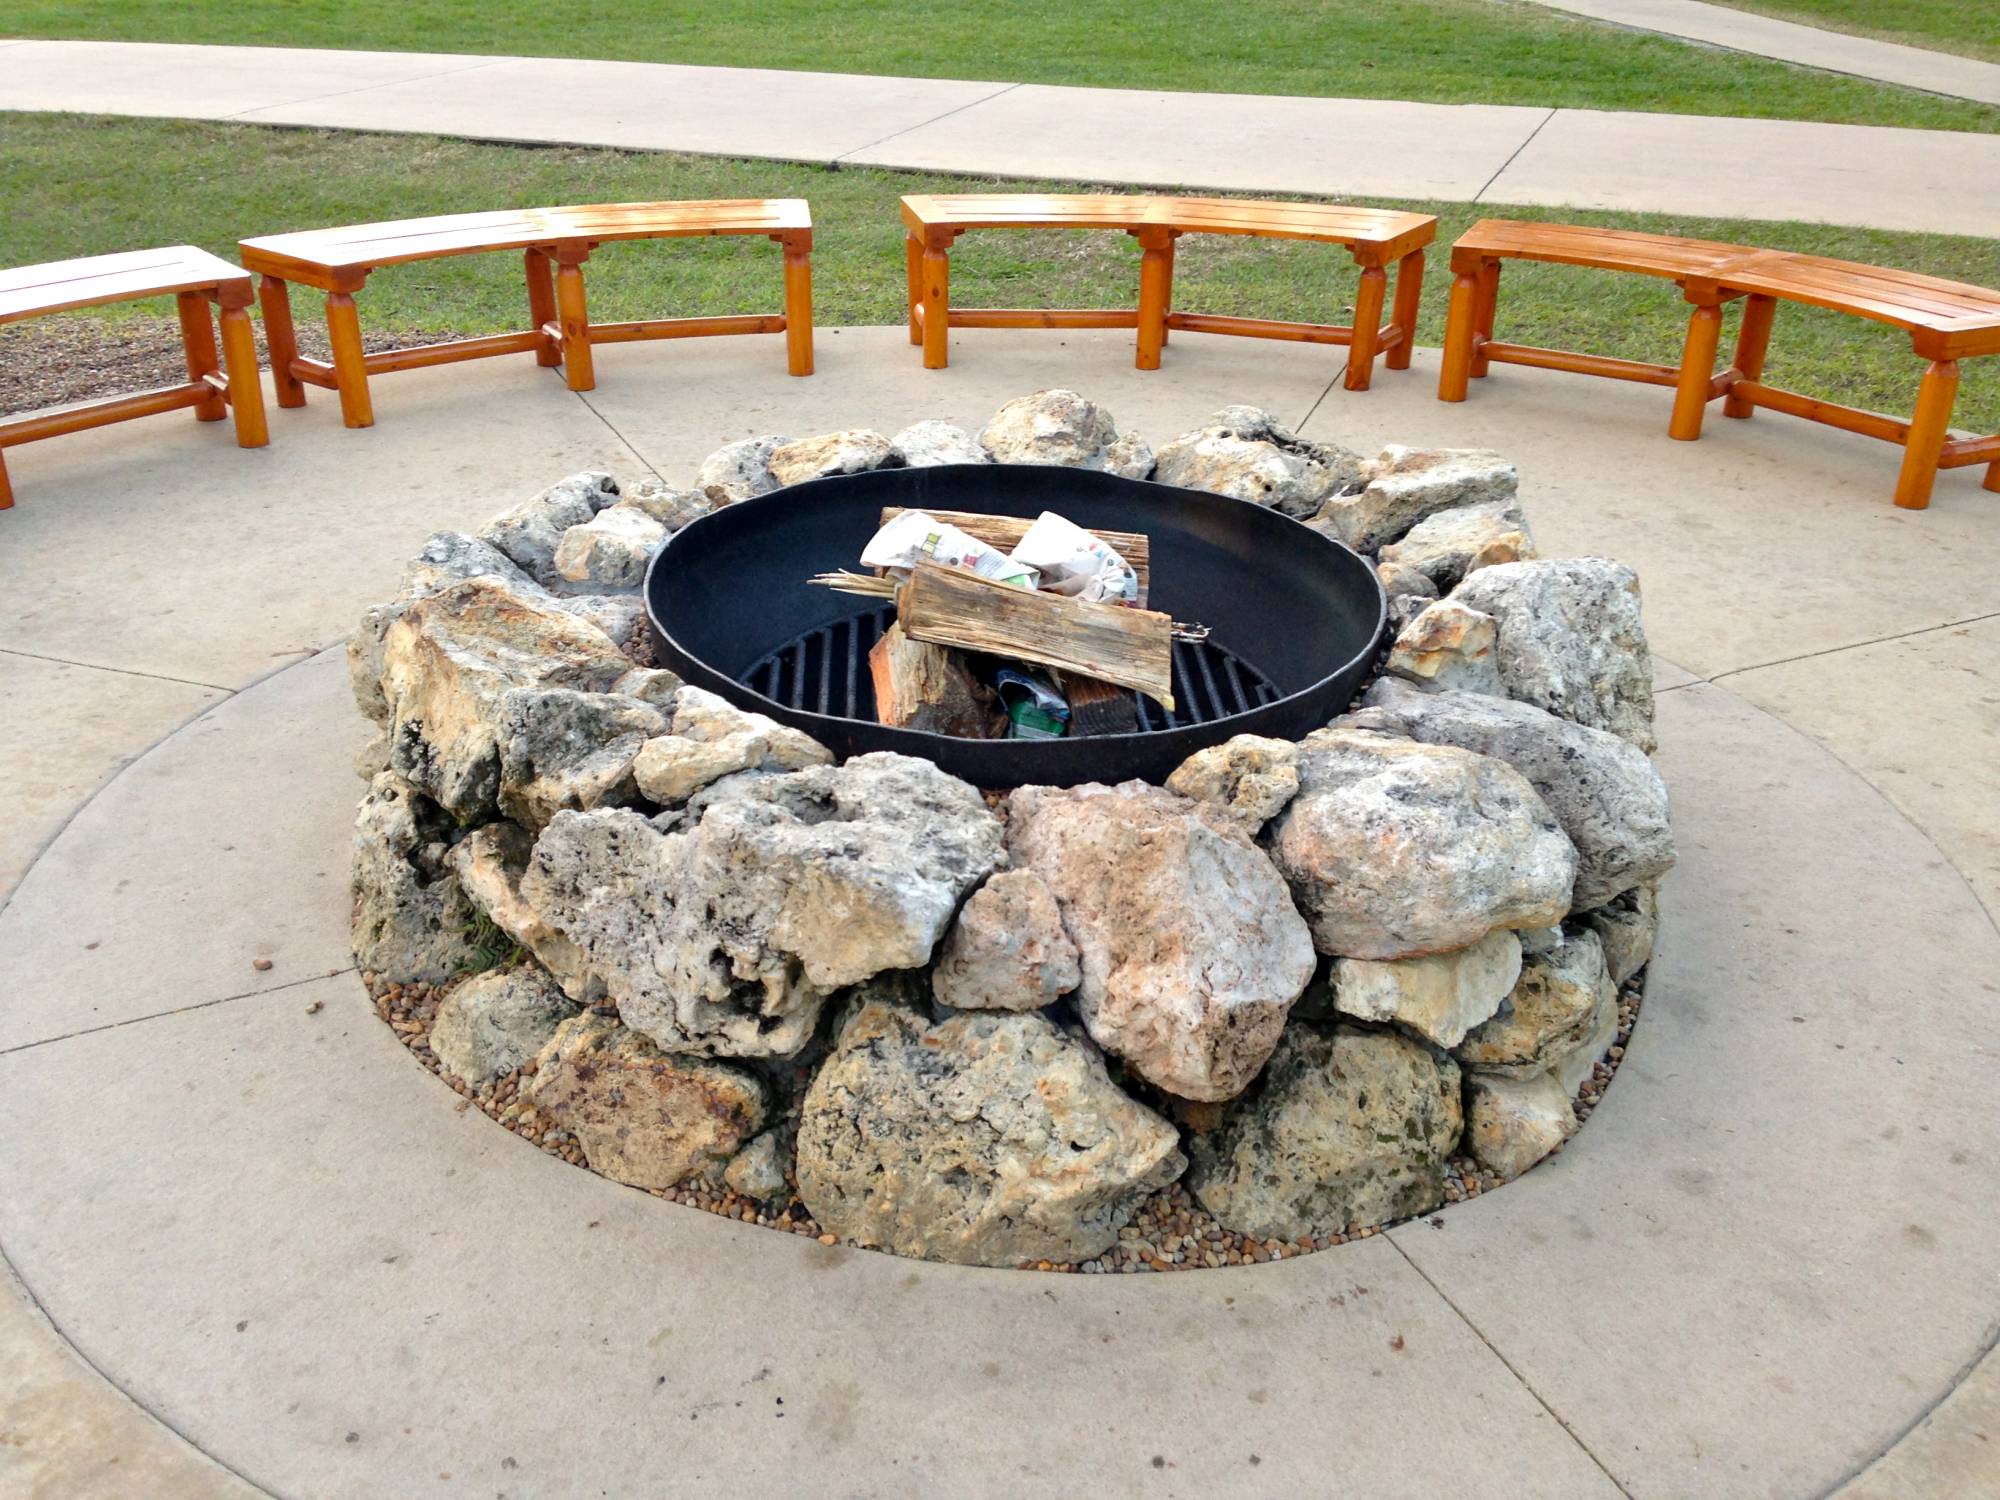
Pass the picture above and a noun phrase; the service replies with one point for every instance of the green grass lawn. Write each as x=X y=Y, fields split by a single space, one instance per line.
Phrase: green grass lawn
x=1454 y=51
x=68 y=186
x=1967 y=28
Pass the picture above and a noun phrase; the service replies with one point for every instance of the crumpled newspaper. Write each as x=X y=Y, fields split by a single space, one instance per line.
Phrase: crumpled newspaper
x=915 y=537
x=1075 y=562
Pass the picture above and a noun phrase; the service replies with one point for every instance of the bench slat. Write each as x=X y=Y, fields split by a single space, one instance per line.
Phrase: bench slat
x=1276 y=220
x=26 y=291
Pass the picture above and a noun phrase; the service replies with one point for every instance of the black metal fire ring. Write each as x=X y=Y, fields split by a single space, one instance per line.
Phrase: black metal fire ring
x=1295 y=619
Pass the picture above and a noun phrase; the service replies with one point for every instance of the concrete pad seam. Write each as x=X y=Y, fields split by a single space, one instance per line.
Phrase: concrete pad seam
x=96 y=666
x=1959 y=1377
x=871 y=145
x=1478 y=1333
x=1529 y=140
x=18 y=1286
x=363 y=89
x=179 y=1010
x=630 y=446
x=1879 y=640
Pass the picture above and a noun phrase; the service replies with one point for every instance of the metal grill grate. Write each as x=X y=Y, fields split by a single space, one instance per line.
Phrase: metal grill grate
x=825 y=671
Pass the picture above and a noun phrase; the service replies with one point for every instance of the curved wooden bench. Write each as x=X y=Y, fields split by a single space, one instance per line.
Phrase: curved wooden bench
x=555 y=243
x=1947 y=321
x=193 y=277
x=1376 y=237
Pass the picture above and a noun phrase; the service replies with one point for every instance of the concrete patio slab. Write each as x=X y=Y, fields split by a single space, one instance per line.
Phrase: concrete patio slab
x=1950 y=1455
x=1884 y=708
x=1233 y=142
x=1934 y=71
x=106 y=719
x=650 y=106
x=199 y=83
x=1873 y=176
x=166 y=901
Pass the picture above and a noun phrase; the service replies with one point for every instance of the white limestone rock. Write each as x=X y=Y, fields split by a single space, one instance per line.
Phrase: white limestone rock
x=1054 y=427
x=1445 y=547
x=610 y=551
x=489 y=863
x=1510 y=1124
x=530 y=532
x=924 y=445
x=1249 y=455
x=854 y=451
x=1448 y=646
x=758 y=1171
x=563 y=749
x=622 y=617
x=1552 y=1021
x=1626 y=926
x=1439 y=997
x=740 y=470
x=726 y=936
x=1396 y=849
x=1571 y=640
x=1192 y=952
x=1405 y=485
x=1007 y=950
x=494 y=1022
x=640 y=1115
x=987 y=1139
x=410 y=921
x=1348 y=1127
x=672 y=508
x=1248 y=778
x=711 y=739
x=1602 y=789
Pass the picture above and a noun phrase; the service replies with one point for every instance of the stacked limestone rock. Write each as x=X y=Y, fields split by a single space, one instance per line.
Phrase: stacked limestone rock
x=1299 y=977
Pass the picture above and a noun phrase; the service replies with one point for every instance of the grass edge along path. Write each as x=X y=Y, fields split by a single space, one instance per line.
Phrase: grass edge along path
x=68 y=188
x=1958 y=28
x=1438 y=51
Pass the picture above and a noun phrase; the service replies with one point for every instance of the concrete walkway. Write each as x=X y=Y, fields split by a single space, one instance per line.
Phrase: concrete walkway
x=1874 y=176
x=1810 y=46
x=295 y=1269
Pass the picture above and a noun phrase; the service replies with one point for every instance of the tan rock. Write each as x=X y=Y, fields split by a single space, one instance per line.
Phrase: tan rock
x=1448 y=646
x=711 y=739
x=1440 y=997
x=1510 y=1124
x=1248 y=778
x=1007 y=950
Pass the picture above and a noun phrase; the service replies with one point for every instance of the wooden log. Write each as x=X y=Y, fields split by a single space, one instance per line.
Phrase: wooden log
x=1005 y=533
x=954 y=607
x=1100 y=707
x=926 y=687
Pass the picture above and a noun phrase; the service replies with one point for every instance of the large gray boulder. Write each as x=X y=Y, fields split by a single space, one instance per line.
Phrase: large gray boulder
x=1440 y=997
x=988 y=1139
x=641 y=1116
x=1062 y=427
x=448 y=663
x=1248 y=454
x=924 y=445
x=410 y=920
x=1348 y=1127
x=560 y=748
x=1452 y=543
x=496 y=1021
x=489 y=863
x=740 y=470
x=1192 y=952
x=854 y=451
x=1396 y=849
x=726 y=937
x=530 y=532
x=711 y=739
x=1007 y=950
x=1571 y=640
x=1405 y=485
x=449 y=557
x=1602 y=789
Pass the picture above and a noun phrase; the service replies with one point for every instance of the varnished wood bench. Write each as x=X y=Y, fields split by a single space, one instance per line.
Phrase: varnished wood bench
x=1375 y=237
x=1947 y=321
x=555 y=243
x=196 y=279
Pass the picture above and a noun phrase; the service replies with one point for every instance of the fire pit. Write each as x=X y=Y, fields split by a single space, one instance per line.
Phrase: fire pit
x=1295 y=619
x=1346 y=936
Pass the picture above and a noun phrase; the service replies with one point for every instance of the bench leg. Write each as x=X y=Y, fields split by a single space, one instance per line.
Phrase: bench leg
x=281 y=339
x=578 y=363
x=1927 y=434
x=1409 y=294
x=1697 y=371
x=1156 y=291
x=1992 y=477
x=937 y=306
x=913 y=266
x=246 y=392
x=1367 y=327
x=1753 y=342
x=1485 y=303
x=798 y=308
x=350 y=367
x=1455 y=370
x=1166 y=333
x=6 y=489
x=198 y=342
x=541 y=304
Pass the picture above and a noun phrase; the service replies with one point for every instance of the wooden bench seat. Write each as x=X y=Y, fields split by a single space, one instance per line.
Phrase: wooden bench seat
x=1947 y=321
x=555 y=243
x=195 y=279
x=1375 y=237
